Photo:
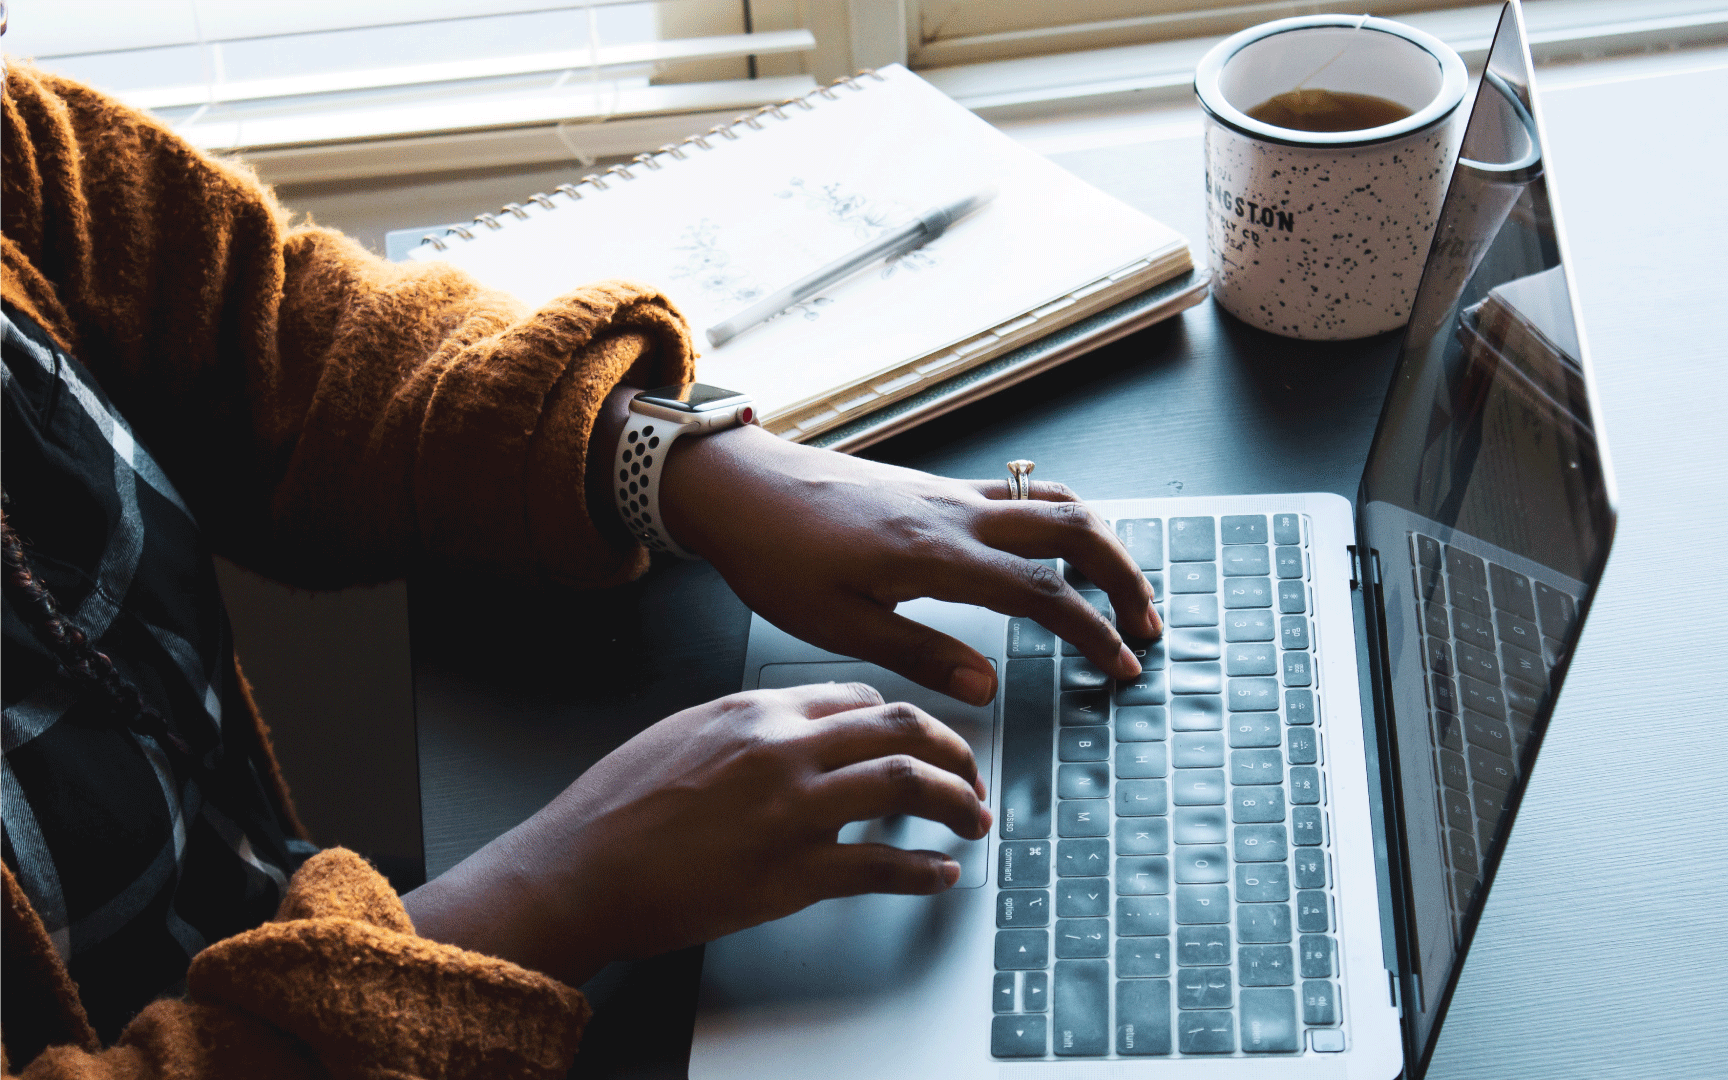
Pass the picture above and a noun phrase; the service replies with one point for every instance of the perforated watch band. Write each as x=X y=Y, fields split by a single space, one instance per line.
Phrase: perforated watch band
x=642 y=454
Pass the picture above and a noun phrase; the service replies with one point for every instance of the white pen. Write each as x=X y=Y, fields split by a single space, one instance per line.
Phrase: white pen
x=920 y=230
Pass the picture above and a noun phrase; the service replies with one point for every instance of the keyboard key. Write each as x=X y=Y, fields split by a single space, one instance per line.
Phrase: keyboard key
x=1290 y=563
x=1100 y=602
x=1081 y=819
x=1481 y=697
x=1304 y=746
x=1201 y=865
x=1307 y=826
x=1266 y=965
x=1193 y=611
x=1140 y=724
x=1304 y=784
x=1002 y=993
x=1511 y=592
x=1022 y=908
x=1458 y=812
x=1261 y=843
x=1438 y=654
x=1017 y=1036
x=1083 y=780
x=1556 y=609
x=1196 y=712
x=1021 y=950
x=1428 y=552
x=1489 y=733
x=1080 y=1008
x=1262 y=883
x=1206 y=1032
x=1269 y=1022
x=1256 y=766
x=1319 y=1002
x=1516 y=631
x=1197 y=904
x=1149 y=653
x=1202 y=946
x=1298 y=669
x=1034 y=991
x=1293 y=632
x=1447 y=732
x=1193 y=539
x=1140 y=761
x=1254 y=658
x=1434 y=621
x=1200 y=825
x=1520 y=698
x=1027 y=731
x=1465 y=565
x=1083 y=744
x=1263 y=924
x=1454 y=773
x=1144 y=539
x=1256 y=805
x=1252 y=561
x=1316 y=956
x=1292 y=597
x=1254 y=729
x=1430 y=586
x=1204 y=988
x=1248 y=625
x=1082 y=708
x=1286 y=529
x=1074 y=577
x=1461 y=846
x=1197 y=677
x=1243 y=529
x=1478 y=663
x=1027 y=638
x=1445 y=694
x=1253 y=695
x=1142 y=957
x=1193 y=578
x=1142 y=875
x=1469 y=596
x=1080 y=938
x=1146 y=688
x=1083 y=898
x=1024 y=864
x=1189 y=787
x=1313 y=913
x=1247 y=592
x=1082 y=858
x=1197 y=750
x=1143 y=916
x=1470 y=628
x=1310 y=870
x=1142 y=1017
x=1298 y=706
x=1464 y=890
x=1552 y=651
x=1487 y=767
x=1079 y=673
x=1142 y=798
x=1193 y=644
x=1143 y=836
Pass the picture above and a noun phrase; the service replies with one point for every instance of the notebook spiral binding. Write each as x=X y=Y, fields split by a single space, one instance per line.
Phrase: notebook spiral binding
x=598 y=181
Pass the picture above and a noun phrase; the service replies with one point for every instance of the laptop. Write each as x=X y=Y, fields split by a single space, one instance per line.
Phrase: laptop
x=1268 y=853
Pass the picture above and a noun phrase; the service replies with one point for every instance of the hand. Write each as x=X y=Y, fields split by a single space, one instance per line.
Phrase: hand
x=824 y=546
x=715 y=819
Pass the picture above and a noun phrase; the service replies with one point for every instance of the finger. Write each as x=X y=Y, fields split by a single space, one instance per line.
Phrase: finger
x=817 y=700
x=1077 y=534
x=1042 y=490
x=895 y=728
x=897 y=784
x=857 y=626
x=852 y=869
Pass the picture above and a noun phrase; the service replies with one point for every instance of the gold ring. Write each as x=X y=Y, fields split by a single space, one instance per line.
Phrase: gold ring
x=1020 y=479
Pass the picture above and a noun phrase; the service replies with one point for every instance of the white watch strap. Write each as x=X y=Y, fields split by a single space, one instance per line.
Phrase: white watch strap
x=642 y=451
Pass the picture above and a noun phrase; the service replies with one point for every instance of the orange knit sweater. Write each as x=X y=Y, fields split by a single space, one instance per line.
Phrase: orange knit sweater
x=330 y=418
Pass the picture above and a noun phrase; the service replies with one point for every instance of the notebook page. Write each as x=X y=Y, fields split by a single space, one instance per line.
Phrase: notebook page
x=734 y=222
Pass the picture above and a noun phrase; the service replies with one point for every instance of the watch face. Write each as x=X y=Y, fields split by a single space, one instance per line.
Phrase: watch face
x=691 y=397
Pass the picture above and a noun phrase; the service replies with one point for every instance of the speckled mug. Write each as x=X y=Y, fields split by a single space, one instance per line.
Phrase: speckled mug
x=1322 y=234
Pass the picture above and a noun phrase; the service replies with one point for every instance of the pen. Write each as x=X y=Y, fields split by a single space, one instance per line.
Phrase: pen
x=920 y=230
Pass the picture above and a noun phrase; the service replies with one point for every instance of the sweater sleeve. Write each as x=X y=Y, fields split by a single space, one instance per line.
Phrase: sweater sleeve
x=330 y=417
x=340 y=985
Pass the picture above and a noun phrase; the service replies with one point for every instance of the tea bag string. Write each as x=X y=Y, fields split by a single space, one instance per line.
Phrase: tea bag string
x=1351 y=40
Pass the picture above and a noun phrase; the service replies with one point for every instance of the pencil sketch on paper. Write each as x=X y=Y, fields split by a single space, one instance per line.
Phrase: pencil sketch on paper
x=868 y=218
x=709 y=267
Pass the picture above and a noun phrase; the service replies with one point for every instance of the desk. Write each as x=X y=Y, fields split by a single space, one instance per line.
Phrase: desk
x=1598 y=954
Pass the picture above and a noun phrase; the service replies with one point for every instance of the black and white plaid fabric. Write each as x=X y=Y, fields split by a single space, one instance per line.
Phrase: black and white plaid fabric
x=135 y=856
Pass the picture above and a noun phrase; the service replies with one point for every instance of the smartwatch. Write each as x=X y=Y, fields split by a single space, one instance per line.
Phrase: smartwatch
x=657 y=418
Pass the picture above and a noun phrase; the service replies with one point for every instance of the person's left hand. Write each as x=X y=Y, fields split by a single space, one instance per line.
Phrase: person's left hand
x=824 y=545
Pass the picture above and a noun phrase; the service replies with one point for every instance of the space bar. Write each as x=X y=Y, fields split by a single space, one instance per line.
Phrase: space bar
x=1028 y=730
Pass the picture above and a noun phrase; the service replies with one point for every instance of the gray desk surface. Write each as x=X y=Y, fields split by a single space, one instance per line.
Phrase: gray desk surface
x=1598 y=954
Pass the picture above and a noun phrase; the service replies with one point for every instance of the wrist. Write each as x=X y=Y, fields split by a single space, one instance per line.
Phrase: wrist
x=701 y=477
x=602 y=453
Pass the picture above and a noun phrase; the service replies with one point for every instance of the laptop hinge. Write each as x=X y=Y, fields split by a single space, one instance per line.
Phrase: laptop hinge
x=1357 y=568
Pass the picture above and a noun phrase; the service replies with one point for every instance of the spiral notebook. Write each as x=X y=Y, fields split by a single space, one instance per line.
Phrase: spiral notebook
x=730 y=215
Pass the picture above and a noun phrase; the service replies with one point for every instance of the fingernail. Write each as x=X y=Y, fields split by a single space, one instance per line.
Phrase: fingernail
x=978 y=786
x=1126 y=662
x=971 y=686
x=985 y=820
x=950 y=872
x=1152 y=615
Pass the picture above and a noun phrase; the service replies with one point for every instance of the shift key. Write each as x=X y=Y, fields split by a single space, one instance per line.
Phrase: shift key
x=1028 y=736
x=1080 y=1008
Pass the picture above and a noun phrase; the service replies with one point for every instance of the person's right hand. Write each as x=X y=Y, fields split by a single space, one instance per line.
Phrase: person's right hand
x=714 y=819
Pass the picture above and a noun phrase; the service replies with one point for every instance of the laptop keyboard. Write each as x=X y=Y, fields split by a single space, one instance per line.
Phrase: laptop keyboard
x=1490 y=640
x=1164 y=879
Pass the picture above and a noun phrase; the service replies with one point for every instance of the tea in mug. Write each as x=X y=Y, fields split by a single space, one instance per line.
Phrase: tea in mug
x=1327 y=110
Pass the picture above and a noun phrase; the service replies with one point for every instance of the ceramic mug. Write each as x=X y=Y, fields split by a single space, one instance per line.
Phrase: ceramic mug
x=1322 y=234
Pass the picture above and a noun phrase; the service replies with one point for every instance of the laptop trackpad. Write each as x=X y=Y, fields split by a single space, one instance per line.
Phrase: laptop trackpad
x=975 y=724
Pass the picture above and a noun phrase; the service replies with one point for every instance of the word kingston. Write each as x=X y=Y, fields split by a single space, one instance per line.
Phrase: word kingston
x=1254 y=213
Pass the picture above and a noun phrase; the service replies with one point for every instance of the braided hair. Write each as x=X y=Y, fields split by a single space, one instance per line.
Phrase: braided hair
x=86 y=665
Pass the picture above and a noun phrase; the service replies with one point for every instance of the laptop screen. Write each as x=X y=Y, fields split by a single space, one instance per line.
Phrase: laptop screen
x=1486 y=500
